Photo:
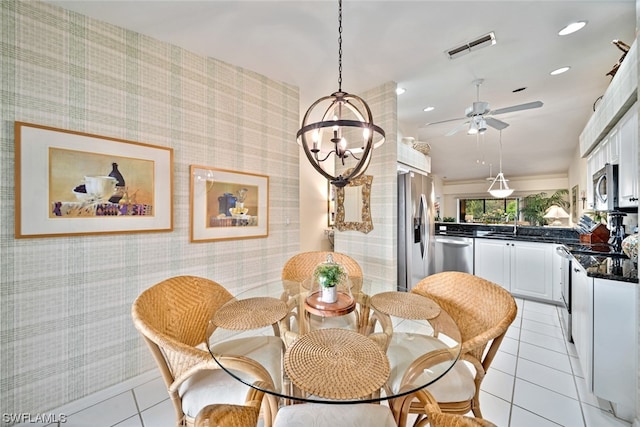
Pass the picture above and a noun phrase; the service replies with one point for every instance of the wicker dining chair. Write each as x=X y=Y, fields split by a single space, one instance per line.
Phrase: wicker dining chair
x=228 y=415
x=173 y=318
x=300 y=266
x=437 y=418
x=331 y=415
x=482 y=311
x=298 y=269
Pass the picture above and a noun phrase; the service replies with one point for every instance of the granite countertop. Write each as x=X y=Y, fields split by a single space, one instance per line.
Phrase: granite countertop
x=611 y=267
x=598 y=260
x=506 y=232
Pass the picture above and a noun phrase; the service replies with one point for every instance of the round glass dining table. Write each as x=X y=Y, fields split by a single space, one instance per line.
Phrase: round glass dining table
x=381 y=344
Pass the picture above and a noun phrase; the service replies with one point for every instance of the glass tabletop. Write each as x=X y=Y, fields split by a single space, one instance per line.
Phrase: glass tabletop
x=371 y=344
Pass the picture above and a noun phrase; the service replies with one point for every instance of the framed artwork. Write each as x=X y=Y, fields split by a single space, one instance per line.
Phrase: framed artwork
x=228 y=205
x=74 y=183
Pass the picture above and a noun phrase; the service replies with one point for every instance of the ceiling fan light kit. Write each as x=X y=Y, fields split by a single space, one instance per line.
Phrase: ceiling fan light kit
x=344 y=123
x=480 y=115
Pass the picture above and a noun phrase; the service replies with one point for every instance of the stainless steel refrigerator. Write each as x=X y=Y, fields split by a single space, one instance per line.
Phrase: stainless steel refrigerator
x=415 y=228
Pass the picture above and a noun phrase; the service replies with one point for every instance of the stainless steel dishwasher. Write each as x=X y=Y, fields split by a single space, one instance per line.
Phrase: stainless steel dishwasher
x=453 y=253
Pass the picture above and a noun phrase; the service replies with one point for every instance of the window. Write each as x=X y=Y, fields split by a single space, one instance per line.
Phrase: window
x=489 y=211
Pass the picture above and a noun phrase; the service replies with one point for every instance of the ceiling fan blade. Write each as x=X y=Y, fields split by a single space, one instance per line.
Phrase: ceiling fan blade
x=457 y=129
x=527 y=106
x=444 y=121
x=495 y=123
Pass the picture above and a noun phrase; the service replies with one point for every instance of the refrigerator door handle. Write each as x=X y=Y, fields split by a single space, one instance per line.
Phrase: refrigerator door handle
x=423 y=223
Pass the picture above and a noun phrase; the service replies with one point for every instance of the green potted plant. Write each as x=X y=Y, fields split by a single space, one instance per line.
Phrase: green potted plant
x=536 y=205
x=329 y=275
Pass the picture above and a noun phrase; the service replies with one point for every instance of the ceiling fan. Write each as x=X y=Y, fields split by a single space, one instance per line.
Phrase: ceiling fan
x=479 y=115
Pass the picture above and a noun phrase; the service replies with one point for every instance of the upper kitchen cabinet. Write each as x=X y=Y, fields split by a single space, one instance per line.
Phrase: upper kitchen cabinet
x=619 y=96
x=628 y=163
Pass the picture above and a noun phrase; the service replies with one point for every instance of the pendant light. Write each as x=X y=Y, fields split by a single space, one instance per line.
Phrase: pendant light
x=343 y=123
x=502 y=190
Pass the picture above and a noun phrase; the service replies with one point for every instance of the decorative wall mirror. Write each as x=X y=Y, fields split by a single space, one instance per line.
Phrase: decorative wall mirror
x=353 y=207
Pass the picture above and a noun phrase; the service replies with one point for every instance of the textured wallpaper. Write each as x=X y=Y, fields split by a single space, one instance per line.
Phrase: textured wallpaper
x=376 y=251
x=65 y=302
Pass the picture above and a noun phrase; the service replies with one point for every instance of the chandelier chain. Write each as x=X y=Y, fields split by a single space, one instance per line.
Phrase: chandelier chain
x=339 y=45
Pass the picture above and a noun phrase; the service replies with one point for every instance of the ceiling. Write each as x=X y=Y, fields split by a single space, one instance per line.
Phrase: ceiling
x=405 y=41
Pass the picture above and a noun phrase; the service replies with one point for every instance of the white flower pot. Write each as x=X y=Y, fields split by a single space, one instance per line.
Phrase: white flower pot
x=329 y=294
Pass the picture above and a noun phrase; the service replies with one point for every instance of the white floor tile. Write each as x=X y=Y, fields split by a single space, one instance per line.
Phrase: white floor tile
x=134 y=421
x=160 y=415
x=106 y=413
x=539 y=307
x=535 y=338
x=546 y=377
x=547 y=404
x=504 y=362
x=546 y=357
x=509 y=345
x=548 y=319
x=597 y=418
x=495 y=409
x=513 y=332
x=498 y=384
x=150 y=393
x=523 y=418
x=542 y=328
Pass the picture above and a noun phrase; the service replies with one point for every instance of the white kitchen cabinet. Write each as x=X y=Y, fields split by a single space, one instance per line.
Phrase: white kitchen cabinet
x=531 y=269
x=557 y=273
x=615 y=353
x=523 y=268
x=628 y=163
x=582 y=320
x=492 y=261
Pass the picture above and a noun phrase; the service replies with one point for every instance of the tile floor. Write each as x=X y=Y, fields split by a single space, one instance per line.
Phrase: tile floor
x=535 y=381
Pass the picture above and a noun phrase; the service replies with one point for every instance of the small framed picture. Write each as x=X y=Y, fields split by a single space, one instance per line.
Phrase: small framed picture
x=228 y=205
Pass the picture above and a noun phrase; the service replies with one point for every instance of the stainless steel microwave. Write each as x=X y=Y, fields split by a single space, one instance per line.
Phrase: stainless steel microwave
x=605 y=188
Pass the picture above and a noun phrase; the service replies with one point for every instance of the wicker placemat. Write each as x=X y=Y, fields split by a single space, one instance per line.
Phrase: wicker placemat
x=336 y=364
x=250 y=313
x=405 y=305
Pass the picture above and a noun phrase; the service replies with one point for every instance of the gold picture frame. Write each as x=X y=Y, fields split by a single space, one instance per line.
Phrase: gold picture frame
x=228 y=205
x=353 y=205
x=76 y=183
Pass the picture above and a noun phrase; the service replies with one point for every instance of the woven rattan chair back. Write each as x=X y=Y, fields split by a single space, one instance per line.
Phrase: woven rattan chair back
x=436 y=418
x=173 y=316
x=482 y=311
x=300 y=266
x=227 y=415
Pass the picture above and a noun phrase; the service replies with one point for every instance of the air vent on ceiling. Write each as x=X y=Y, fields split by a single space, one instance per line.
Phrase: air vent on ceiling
x=473 y=45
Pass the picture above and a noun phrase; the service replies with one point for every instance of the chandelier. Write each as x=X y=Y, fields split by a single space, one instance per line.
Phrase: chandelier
x=340 y=126
x=502 y=190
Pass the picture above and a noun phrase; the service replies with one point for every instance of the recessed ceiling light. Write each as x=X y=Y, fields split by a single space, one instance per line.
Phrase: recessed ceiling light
x=572 y=28
x=559 y=71
x=400 y=90
x=427 y=109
